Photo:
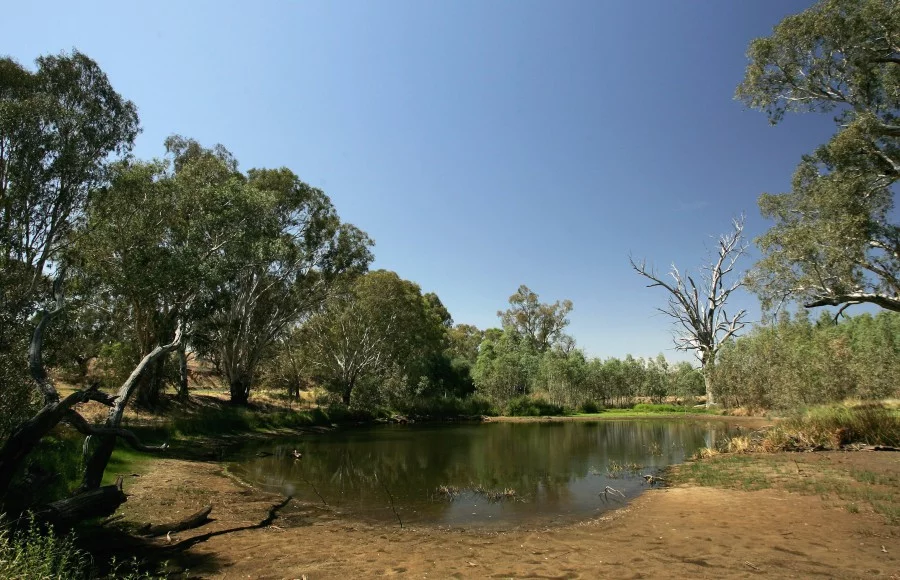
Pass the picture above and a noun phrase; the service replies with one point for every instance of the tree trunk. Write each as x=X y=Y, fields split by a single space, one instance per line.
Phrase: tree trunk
x=98 y=502
x=708 y=381
x=28 y=434
x=345 y=395
x=240 y=391
x=183 y=393
x=96 y=464
x=150 y=385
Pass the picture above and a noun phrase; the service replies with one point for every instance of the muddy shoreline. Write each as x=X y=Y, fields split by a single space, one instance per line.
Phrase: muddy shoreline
x=682 y=531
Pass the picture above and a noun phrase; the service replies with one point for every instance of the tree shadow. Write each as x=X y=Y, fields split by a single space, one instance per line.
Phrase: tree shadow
x=109 y=545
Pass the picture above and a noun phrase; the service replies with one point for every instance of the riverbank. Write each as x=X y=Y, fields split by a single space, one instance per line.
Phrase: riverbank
x=743 y=422
x=797 y=525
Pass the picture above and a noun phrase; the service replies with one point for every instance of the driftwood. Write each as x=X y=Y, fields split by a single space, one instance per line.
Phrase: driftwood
x=192 y=521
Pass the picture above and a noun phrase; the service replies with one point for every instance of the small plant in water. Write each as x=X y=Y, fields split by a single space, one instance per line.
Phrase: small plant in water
x=448 y=492
x=501 y=495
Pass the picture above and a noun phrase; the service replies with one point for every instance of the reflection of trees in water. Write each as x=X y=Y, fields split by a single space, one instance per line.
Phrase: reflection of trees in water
x=540 y=461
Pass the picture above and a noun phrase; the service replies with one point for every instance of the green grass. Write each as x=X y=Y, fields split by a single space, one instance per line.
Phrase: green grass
x=125 y=461
x=733 y=472
x=29 y=550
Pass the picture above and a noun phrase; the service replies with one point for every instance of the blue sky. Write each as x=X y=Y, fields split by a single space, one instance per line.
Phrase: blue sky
x=482 y=144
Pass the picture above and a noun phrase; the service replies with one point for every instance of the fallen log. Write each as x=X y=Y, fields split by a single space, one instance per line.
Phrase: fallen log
x=192 y=521
x=100 y=502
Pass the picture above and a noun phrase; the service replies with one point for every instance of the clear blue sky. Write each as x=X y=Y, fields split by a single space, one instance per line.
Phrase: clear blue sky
x=482 y=144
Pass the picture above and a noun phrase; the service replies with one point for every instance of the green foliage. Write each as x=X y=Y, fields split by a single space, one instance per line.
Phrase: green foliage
x=533 y=407
x=590 y=408
x=794 y=363
x=436 y=408
x=657 y=408
x=36 y=552
x=60 y=126
x=834 y=240
x=50 y=472
x=541 y=325
x=378 y=343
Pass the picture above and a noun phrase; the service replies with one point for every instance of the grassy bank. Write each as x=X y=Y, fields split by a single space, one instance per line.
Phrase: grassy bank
x=850 y=482
x=823 y=428
x=768 y=458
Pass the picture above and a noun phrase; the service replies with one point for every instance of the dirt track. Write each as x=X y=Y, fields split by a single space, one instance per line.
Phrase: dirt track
x=681 y=532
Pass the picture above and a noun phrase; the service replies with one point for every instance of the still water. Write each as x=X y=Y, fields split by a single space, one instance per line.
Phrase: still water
x=475 y=474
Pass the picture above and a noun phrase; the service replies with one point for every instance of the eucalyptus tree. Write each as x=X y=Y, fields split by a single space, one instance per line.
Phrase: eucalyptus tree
x=382 y=332
x=699 y=311
x=835 y=240
x=541 y=324
x=60 y=126
x=159 y=238
x=294 y=261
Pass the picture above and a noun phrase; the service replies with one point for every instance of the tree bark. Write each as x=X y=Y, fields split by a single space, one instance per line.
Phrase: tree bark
x=150 y=385
x=240 y=391
x=347 y=392
x=99 y=502
x=28 y=434
x=708 y=382
x=97 y=462
x=183 y=393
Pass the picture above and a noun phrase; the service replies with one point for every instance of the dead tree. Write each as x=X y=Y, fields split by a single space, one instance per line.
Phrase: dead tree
x=701 y=323
x=55 y=411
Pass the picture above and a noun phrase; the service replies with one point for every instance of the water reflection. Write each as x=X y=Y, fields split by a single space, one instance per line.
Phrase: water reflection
x=551 y=471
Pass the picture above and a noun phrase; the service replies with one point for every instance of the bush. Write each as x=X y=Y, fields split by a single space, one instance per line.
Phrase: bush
x=33 y=552
x=834 y=427
x=591 y=407
x=660 y=408
x=448 y=407
x=532 y=407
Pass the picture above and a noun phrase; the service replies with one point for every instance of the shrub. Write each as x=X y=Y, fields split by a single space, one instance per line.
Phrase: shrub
x=660 y=408
x=36 y=552
x=833 y=427
x=448 y=407
x=533 y=407
x=591 y=407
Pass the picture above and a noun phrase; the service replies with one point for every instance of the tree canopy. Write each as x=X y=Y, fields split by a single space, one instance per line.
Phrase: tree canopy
x=835 y=241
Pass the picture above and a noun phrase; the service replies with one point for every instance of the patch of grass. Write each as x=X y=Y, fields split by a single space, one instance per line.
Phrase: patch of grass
x=735 y=472
x=29 y=549
x=891 y=511
x=49 y=472
x=36 y=552
x=125 y=461
x=855 y=489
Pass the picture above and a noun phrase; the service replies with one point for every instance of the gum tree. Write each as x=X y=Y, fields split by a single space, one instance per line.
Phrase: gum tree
x=835 y=240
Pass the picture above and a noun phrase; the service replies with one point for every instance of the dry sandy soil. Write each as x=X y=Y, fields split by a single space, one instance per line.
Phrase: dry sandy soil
x=680 y=532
